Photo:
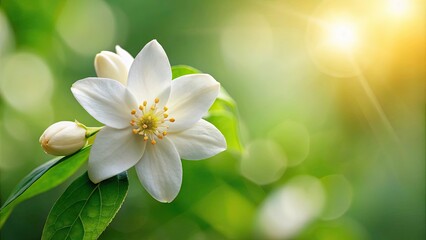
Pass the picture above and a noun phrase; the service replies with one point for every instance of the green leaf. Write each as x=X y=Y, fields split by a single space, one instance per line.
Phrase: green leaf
x=43 y=178
x=227 y=123
x=223 y=113
x=180 y=70
x=86 y=209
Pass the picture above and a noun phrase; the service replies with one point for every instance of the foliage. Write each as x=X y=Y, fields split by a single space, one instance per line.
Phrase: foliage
x=85 y=209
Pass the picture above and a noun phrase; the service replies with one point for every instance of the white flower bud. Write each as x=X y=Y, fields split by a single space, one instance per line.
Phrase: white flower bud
x=113 y=65
x=63 y=138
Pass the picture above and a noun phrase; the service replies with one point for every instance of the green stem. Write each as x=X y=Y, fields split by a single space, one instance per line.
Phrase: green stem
x=90 y=131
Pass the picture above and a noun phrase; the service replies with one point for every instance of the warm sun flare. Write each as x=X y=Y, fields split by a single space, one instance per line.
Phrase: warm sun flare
x=342 y=35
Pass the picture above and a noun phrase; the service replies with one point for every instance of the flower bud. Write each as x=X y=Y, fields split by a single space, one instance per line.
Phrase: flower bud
x=63 y=138
x=113 y=65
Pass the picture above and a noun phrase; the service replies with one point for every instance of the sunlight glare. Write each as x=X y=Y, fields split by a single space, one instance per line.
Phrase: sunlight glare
x=342 y=35
x=398 y=7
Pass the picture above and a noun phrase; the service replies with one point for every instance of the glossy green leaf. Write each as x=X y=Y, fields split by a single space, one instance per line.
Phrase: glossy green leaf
x=180 y=70
x=43 y=178
x=223 y=113
x=86 y=209
x=227 y=123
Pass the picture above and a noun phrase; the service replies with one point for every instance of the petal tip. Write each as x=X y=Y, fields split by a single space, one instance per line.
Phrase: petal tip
x=154 y=44
x=93 y=178
x=166 y=200
x=154 y=41
x=74 y=86
x=210 y=78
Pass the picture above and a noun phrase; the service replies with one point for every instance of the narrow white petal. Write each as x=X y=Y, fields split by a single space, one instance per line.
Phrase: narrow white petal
x=107 y=100
x=125 y=56
x=150 y=75
x=190 y=99
x=114 y=151
x=203 y=140
x=160 y=170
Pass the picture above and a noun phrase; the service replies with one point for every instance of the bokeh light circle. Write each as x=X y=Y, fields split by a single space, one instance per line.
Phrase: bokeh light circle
x=339 y=229
x=6 y=36
x=294 y=139
x=26 y=82
x=263 y=162
x=87 y=27
x=339 y=196
x=289 y=209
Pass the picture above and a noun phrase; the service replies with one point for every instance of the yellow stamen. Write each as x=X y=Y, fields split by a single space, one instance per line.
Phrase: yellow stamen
x=147 y=121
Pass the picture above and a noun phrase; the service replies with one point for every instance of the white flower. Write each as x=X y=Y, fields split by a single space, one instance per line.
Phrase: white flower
x=151 y=123
x=113 y=65
x=63 y=138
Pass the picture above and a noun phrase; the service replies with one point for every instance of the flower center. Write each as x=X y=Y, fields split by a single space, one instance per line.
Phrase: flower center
x=150 y=122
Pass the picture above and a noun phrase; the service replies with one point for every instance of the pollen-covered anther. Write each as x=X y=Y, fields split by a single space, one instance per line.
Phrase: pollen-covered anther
x=151 y=122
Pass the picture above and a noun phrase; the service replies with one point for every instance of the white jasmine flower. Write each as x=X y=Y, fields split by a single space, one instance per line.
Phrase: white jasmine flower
x=113 y=65
x=151 y=123
x=63 y=138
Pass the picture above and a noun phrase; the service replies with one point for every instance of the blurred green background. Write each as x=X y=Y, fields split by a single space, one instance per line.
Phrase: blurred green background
x=330 y=96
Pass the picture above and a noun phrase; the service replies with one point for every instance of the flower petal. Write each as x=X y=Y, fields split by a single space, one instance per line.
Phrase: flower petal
x=107 y=100
x=203 y=140
x=150 y=75
x=114 y=151
x=190 y=99
x=160 y=170
x=125 y=56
